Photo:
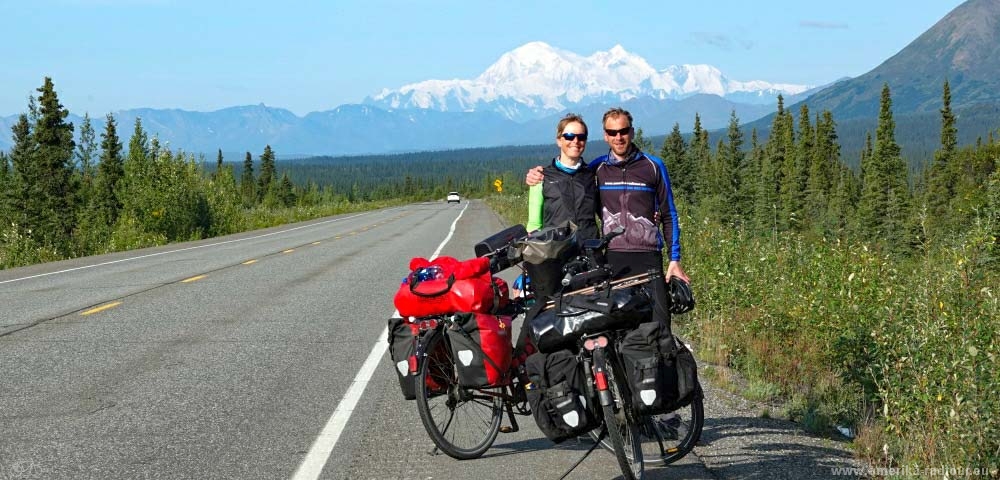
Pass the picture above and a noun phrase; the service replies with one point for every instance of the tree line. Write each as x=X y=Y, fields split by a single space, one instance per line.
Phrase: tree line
x=798 y=181
x=61 y=198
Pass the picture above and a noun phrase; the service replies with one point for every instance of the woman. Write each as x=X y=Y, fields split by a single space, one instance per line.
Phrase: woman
x=569 y=191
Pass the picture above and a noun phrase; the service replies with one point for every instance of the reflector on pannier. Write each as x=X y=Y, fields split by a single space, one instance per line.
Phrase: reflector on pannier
x=481 y=346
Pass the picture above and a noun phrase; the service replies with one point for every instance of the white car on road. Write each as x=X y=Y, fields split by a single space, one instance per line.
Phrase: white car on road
x=453 y=197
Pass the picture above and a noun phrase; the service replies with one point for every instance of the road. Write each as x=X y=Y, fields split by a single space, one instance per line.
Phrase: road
x=261 y=355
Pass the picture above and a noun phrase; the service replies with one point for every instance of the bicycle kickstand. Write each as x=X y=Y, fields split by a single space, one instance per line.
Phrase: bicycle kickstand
x=513 y=421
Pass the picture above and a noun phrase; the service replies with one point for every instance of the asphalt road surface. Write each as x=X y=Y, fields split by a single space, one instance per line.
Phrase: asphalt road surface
x=262 y=356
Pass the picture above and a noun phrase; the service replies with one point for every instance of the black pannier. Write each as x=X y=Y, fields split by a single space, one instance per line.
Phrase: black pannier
x=576 y=315
x=662 y=373
x=402 y=345
x=559 y=397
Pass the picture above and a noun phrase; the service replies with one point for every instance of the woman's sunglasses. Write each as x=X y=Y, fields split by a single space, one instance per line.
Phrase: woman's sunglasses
x=569 y=137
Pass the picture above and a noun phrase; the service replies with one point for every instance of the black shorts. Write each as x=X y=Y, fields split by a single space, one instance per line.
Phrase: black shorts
x=626 y=264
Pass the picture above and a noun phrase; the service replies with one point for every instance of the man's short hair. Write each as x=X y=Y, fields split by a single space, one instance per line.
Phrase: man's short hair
x=616 y=112
x=568 y=119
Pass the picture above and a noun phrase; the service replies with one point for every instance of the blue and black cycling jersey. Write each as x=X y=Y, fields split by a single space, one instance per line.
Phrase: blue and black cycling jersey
x=632 y=191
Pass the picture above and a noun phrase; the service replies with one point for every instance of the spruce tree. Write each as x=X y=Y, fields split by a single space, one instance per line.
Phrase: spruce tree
x=85 y=157
x=780 y=150
x=287 y=191
x=247 y=182
x=941 y=179
x=267 y=173
x=734 y=194
x=109 y=173
x=824 y=173
x=643 y=143
x=794 y=173
x=884 y=207
x=218 y=164
x=675 y=158
x=5 y=189
x=57 y=191
x=22 y=195
x=843 y=198
x=700 y=157
x=751 y=181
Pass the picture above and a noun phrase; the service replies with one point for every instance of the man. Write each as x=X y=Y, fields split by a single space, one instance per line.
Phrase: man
x=635 y=193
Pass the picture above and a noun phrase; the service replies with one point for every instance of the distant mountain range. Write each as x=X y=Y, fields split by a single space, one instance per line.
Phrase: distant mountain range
x=517 y=100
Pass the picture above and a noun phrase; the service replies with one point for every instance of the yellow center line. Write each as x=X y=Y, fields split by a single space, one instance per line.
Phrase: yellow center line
x=250 y=262
x=338 y=237
x=101 y=308
x=193 y=279
x=290 y=250
x=315 y=243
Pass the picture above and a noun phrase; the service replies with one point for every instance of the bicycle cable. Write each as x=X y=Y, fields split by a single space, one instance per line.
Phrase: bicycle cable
x=597 y=441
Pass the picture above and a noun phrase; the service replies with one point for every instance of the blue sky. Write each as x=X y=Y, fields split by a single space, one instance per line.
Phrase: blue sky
x=109 y=55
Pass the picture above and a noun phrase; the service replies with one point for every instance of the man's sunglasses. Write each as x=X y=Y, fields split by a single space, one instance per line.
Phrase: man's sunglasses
x=569 y=137
x=615 y=133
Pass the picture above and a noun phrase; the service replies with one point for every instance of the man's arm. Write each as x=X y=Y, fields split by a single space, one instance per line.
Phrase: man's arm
x=665 y=194
x=534 y=176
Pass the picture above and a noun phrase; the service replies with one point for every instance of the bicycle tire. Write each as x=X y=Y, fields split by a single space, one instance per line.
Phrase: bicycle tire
x=447 y=409
x=669 y=437
x=623 y=432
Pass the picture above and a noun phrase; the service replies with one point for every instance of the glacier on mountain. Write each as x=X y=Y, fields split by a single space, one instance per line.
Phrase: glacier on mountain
x=537 y=79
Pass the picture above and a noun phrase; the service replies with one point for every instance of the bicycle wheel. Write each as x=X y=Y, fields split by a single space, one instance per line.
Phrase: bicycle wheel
x=462 y=422
x=623 y=431
x=668 y=437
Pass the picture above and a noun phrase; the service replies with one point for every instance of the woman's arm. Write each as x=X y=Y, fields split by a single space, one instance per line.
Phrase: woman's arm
x=535 y=201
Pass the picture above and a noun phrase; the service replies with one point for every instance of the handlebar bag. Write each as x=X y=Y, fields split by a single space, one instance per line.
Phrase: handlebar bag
x=445 y=285
x=545 y=252
x=500 y=240
x=662 y=372
x=482 y=348
x=558 y=395
x=576 y=315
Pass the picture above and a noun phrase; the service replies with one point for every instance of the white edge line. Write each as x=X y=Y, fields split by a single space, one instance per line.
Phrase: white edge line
x=319 y=453
x=181 y=249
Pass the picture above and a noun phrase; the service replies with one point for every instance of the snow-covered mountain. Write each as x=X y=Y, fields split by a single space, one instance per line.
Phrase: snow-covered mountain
x=537 y=79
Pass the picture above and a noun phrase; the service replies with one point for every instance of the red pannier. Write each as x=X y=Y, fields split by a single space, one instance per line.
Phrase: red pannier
x=481 y=347
x=445 y=285
x=403 y=338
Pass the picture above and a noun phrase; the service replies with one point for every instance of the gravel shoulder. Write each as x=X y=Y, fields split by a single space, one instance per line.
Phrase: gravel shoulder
x=739 y=443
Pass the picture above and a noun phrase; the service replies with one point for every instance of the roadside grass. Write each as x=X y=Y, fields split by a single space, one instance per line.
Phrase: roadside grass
x=128 y=233
x=843 y=330
x=903 y=351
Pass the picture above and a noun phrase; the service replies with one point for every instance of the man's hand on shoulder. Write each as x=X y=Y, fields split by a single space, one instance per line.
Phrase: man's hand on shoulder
x=534 y=176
